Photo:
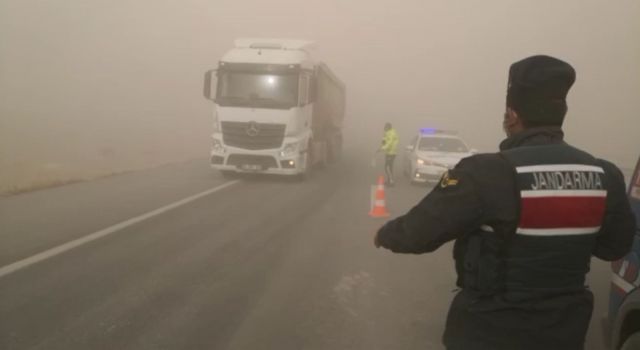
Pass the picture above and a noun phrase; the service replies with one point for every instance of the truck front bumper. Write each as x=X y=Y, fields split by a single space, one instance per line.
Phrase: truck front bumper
x=258 y=163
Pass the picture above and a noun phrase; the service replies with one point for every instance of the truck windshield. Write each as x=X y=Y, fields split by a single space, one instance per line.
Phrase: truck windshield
x=257 y=90
x=441 y=144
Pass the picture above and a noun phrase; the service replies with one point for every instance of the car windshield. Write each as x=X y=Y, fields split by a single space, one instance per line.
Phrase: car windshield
x=257 y=90
x=442 y=144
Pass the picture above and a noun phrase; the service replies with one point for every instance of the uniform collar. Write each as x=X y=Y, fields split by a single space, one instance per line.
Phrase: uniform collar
x=534 y=137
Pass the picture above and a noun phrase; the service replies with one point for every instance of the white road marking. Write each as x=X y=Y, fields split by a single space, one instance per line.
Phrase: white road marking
x=21 y=264
x=353 y=292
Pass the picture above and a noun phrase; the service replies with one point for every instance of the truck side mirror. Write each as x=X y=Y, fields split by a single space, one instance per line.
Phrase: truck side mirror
x=209 y=90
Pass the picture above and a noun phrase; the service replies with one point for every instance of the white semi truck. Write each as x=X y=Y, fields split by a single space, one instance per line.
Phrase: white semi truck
x=277 y=110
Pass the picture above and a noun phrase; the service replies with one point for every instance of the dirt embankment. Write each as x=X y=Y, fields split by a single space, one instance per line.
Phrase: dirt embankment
x=24 y=173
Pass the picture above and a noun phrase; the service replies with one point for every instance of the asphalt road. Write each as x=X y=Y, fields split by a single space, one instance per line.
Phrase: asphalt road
x=261 y=264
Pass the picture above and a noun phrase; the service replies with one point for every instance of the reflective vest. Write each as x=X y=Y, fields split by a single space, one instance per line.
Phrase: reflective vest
x=562 y=198
x=390 y=142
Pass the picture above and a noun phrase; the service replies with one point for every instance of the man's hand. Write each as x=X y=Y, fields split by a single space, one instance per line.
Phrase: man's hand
x=376 y=237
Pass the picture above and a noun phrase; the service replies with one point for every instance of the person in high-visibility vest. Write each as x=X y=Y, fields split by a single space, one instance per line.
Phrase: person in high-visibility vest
x=390 y=148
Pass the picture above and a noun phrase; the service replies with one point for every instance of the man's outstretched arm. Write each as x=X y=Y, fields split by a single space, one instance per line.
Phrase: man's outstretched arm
x=450 y=210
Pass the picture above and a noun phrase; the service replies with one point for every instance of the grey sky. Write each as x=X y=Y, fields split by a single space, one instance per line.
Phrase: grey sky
x=121 y=80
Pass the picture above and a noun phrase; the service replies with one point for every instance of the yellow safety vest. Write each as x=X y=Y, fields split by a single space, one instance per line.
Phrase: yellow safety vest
x=390 y=142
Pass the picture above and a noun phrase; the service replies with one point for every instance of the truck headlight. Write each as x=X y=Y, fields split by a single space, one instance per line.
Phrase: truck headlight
x=421 y=161
x=217 y=146
x=289 y=150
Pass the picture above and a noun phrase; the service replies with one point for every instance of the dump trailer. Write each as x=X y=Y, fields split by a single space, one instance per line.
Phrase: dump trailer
x=276 y=109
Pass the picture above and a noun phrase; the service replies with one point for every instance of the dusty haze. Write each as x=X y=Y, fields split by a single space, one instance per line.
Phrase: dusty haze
x=89 y=88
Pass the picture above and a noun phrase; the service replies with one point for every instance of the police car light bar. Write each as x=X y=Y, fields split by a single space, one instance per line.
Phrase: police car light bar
x=428 y=131
x=432 y=131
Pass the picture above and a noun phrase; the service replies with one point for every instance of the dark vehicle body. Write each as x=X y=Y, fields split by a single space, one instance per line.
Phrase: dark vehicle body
x=622 y=326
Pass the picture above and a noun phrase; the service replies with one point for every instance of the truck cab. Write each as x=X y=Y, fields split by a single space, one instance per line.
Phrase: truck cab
x=277 y=111
x=622 y=326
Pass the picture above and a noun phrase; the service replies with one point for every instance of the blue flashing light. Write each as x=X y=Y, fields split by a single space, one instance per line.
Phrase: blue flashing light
x=428 y=131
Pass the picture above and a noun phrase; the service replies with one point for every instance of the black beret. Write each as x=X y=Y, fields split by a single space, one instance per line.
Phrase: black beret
x=538 y=87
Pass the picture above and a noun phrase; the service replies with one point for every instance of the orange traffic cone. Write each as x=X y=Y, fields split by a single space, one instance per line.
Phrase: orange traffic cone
x=379 y=209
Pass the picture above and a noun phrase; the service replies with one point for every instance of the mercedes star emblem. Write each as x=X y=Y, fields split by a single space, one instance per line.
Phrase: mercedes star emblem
x=253 y=130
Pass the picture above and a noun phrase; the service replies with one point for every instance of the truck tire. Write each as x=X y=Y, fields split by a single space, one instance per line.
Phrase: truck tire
x=302 y=177
x=308 y=167
x=632 y=342
x=317 y=154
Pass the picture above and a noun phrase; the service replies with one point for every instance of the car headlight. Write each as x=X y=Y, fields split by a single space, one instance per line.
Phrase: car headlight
x=289 y=150
x=217 y=146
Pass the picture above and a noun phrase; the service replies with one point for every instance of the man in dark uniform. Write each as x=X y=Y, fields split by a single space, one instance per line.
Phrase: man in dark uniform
x=525 y=221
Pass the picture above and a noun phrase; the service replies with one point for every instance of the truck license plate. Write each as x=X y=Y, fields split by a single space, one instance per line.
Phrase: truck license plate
x=251 y=167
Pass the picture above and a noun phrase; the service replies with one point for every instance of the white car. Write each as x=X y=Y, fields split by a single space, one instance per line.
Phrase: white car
x=431 y=153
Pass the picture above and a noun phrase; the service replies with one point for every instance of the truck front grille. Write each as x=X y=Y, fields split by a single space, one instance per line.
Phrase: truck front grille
x=217 y=160
x=252 y=135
